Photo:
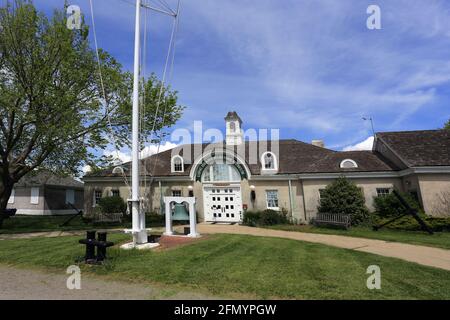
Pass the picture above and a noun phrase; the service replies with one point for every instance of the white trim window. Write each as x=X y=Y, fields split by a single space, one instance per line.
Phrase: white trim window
x=348 y=164
x=176 y=193
x=115 y=193
x=34 y=198
x=383 y=192
x=12 y=197
x=272 y=199
x=98 y=194
x=269 y=163
x=177 y=164
x=321 y=194
x=70 y=196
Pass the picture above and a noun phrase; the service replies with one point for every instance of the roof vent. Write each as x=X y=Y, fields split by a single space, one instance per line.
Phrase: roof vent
x=318 y=143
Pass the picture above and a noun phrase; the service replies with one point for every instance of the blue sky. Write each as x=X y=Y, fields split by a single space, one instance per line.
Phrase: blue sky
x=308 y=67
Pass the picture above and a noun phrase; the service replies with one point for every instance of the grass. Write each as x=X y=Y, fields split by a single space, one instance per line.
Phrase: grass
x=439 y=239
x=28 y=224
x=244 y=266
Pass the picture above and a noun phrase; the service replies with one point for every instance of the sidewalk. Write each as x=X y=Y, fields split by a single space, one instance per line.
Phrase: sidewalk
x=428 y=256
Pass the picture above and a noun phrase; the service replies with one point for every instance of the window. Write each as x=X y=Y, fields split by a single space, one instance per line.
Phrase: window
x=177 y=164
x=221 y=172
x=269 y=162
x=348 y=164
x=34 y=195
x=321 y=193
x=115 y=193
x=272 y=199
x=118 y=170
x=97 y=196
x=70 y=196
x=383 y=192
x=232 y=127
x=11 y=198
x=176 y=193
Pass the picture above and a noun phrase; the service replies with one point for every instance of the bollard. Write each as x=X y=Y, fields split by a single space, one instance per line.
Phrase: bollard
x=101 y=250
x=90 y=246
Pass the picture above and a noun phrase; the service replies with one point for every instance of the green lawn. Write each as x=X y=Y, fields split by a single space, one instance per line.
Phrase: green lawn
x=27 y=224
x=439 y=239
x=244 y=267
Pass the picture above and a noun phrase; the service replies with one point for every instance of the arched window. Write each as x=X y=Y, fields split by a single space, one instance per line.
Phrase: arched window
x=118 y=170
x=232 y=127
x=221 y=172
x=349 y=164
x=269 y=162
x=177 y=164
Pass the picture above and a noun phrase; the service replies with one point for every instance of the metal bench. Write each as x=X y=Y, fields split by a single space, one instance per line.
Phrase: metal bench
x=334 y=219
x=107 y=218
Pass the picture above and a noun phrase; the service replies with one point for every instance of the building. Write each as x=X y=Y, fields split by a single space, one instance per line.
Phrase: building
x=228 y=179
x=45 y=194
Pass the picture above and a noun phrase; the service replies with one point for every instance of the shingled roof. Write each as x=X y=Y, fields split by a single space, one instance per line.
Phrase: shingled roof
x=295 y=157
x=420 y=148
x=367 y=161
x=49 y=179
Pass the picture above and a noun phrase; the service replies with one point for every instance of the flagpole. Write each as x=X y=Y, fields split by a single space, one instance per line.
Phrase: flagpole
x=139 y=230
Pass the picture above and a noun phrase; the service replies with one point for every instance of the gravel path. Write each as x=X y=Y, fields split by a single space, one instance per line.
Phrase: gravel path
x=21 y=284
x=428 y=256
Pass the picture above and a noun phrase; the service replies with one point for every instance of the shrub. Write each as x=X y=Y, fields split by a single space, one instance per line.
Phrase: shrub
x=344 y=197
x=264 y=218
x=390 y=206
x=112 y=205
x=408 y=223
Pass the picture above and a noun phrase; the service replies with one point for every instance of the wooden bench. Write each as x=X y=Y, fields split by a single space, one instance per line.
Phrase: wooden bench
x=334 y=219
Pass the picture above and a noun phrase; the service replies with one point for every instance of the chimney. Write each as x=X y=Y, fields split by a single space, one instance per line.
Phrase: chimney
x=318 y=143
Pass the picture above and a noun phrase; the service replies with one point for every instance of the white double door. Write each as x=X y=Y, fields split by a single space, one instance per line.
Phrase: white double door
x=223 y=204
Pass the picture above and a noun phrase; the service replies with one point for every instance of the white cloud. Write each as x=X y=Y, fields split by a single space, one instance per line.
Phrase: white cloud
x=86 y=169
x=361 y=146
x=321 y=64
x=124 y=155
x=154 y=149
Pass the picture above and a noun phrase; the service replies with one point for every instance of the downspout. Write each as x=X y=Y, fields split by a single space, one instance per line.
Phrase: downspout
x=161 y=200
x=290 y=199
x=304 y=200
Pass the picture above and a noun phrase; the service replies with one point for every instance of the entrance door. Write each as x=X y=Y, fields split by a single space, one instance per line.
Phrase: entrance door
x=223 y=204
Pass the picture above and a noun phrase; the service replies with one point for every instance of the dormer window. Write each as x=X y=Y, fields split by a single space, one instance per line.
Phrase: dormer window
x=269 y=163
x=118 y=170
x=177 y=164
x=348 y=164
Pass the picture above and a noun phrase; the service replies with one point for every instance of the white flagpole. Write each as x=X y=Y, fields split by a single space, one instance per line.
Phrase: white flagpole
x=139 y=230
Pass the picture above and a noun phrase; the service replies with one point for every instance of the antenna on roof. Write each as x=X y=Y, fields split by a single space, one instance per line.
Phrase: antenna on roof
x=371 y=122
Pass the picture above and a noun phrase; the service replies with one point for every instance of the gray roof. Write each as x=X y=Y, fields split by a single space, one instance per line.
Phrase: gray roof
x=47 y=178
x=420 y=148
x=294 y=157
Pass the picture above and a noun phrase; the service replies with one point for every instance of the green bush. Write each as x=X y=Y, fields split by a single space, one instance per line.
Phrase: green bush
x=344 y=197
x=390 y=206
x=264 y=218
x=112 y=205
x=408 y=223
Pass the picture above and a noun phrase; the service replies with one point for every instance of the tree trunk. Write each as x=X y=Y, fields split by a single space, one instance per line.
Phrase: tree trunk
x=6 y=187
